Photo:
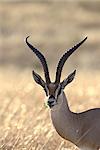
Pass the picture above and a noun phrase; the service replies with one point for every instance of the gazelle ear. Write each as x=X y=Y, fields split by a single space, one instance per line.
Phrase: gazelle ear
x=38 y=79
x=68 y=80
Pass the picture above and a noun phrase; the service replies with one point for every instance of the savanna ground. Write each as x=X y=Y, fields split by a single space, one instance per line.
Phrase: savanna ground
x=24 y=120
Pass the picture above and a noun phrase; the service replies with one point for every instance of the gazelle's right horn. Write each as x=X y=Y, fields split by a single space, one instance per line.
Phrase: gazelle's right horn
x=42 y=59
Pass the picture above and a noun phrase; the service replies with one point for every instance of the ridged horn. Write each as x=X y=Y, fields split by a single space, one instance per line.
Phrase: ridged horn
x=42 y=60
x=64 y=58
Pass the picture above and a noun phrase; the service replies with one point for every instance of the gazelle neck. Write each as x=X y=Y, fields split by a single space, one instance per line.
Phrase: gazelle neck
x=62 y=104
x=64 y=121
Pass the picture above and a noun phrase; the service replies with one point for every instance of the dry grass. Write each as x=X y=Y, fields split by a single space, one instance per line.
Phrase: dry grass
x=25 y=121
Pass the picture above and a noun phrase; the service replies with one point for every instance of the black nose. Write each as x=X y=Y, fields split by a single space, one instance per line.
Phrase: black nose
x=50 y=102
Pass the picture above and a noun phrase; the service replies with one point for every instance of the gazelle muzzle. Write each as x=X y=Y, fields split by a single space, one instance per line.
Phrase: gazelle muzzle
x=51 y=101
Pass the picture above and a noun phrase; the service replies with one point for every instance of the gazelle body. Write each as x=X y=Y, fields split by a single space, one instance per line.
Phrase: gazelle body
x=82 y=129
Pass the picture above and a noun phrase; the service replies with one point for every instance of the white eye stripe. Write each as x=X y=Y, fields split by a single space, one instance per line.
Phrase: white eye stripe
x=46 y=90
x=57 y=91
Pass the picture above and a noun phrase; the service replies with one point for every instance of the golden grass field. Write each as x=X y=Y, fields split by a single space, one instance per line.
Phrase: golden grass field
x=54 y=27
x=25 y=121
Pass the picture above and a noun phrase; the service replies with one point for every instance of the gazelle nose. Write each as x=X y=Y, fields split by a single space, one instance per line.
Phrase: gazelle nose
x=51 y=101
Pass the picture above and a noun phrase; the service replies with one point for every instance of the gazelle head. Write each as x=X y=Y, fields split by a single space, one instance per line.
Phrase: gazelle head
x=53 y=89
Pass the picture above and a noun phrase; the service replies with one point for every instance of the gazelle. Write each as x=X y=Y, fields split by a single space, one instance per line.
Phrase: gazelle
x=82 y=129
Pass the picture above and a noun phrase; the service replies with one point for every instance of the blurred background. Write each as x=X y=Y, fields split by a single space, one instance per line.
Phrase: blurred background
x=54 y=26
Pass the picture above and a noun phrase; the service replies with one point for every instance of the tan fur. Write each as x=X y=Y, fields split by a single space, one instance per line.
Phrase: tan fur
x=82 y=129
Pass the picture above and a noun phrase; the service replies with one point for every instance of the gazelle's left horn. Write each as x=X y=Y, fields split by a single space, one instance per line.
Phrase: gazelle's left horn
x=64 y=58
